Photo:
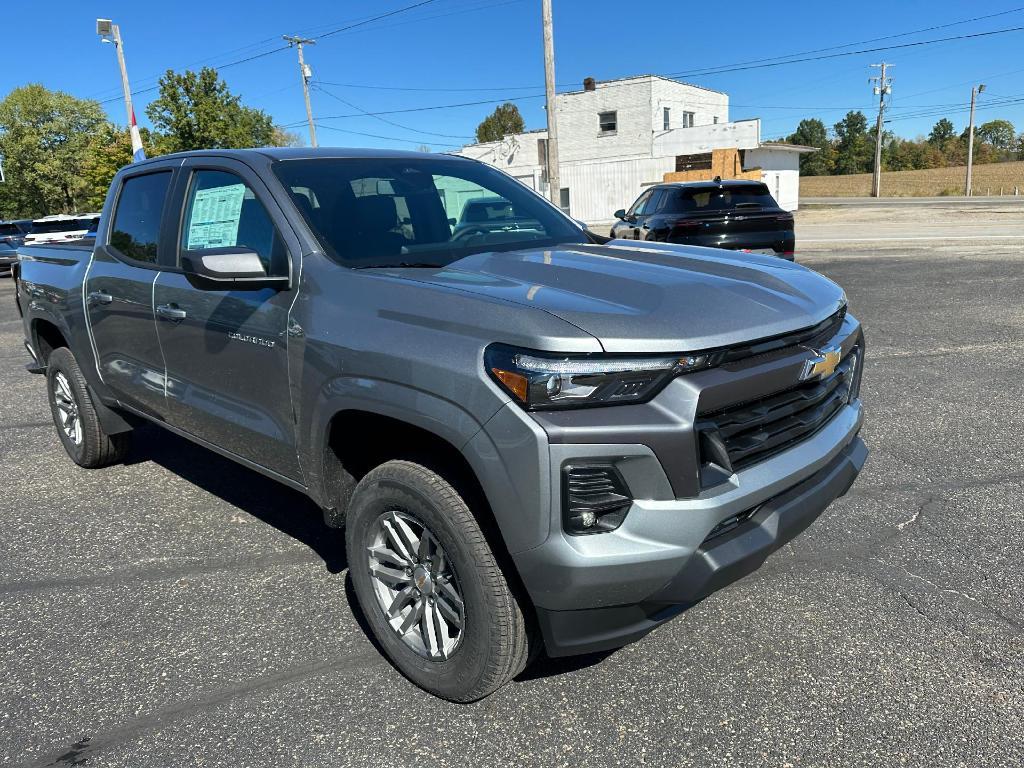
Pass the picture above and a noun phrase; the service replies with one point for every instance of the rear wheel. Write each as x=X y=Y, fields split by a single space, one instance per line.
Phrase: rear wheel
x=74 y=415
x=429 y=584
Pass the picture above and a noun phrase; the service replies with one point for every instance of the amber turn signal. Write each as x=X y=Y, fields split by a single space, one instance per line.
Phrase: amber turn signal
x=514 y=382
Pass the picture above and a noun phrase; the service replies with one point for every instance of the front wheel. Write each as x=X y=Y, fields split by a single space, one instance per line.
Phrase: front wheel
x=74 y=415
x=429 y=584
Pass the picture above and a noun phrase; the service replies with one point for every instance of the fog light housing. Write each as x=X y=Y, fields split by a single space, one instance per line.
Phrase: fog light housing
x=595 y=499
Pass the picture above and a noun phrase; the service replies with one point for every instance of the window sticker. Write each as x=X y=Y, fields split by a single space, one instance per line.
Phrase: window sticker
x=215 y=216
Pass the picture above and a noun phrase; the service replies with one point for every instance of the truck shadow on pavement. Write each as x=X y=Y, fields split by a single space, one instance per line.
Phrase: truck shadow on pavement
x=275 y=504
x=292 y=513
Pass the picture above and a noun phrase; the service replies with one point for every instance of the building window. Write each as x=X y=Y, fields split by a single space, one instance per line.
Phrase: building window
x=701 y=162
x=687 y=119
x=716 y=119
x=607 y=123
x=563 y=200
x=542 y=159
x=666 y=118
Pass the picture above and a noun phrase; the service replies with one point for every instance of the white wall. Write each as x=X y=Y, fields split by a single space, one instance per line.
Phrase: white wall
x=579 y=137
x=706 y=105
x=780 y=171
x=745 y=134
x=598 y=189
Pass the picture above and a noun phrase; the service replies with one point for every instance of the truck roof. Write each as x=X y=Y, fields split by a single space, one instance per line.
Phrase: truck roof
x=301 y=153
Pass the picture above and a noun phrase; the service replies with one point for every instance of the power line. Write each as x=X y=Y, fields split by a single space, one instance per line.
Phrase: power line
x=871 y=40
x=385 y=138
x=763 y=62
x=364 y=113
x=858 y=52
x=339 y=30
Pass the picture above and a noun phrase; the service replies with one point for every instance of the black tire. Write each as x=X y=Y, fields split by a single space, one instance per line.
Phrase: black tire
x=496 y=640
x=95 y=448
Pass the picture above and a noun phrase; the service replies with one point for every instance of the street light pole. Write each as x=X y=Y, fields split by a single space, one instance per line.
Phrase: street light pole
x=111 y=33
x=970 y=141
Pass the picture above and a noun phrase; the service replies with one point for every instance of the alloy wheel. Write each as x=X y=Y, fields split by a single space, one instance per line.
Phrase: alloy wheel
x=67 y=408
x=415 y=585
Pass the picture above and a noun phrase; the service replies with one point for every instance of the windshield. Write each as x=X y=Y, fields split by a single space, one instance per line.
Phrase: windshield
x=373 y=212
x=59 y=225
x=721 y=198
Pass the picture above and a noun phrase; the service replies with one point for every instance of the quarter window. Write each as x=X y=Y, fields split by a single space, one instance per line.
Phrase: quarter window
x=136 y=230
x=608 y=123
x=222 y=212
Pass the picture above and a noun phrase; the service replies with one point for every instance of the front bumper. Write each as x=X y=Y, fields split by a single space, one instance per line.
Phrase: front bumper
x=710 y=566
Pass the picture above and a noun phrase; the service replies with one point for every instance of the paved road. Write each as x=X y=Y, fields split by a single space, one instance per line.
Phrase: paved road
x=179 y=610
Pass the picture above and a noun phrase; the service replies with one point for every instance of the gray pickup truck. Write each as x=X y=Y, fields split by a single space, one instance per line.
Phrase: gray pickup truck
x=533 y=438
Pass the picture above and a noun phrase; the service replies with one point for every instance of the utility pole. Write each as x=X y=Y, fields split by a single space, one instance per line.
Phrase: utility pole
x=554 y=186
x=970 y=140
x=111 y=33
x=882 y=89
x=307 y=75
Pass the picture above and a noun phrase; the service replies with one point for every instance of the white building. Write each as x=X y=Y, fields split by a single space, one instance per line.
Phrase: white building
x=619 y=136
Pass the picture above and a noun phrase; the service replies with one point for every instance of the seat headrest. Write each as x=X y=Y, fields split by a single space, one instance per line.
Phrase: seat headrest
x=377 y=213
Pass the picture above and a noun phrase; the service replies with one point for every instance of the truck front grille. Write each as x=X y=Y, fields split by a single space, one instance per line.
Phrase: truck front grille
x=744 y=434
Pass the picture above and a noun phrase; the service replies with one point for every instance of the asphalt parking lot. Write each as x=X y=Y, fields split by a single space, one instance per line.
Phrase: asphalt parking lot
x=181 y=610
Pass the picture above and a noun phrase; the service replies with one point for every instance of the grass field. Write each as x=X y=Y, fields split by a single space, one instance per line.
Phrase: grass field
x=989 y=179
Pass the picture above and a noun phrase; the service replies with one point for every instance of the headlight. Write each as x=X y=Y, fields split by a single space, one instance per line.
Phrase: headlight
x=540 y=380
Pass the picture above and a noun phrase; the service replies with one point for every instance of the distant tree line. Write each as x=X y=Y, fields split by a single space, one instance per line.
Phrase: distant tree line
x=59 y=152
x=850 y=147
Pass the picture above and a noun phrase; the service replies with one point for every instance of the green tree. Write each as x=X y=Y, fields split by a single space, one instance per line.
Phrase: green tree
x=108 y=150
x=198 y=111
x=812 y=133
x=941 y=133
x=999 y=133
x=854 y=148
x=43 y=138
x=500 y=123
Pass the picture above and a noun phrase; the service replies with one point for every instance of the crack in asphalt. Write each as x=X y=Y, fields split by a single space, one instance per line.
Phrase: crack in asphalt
x=162 y=574
x=86 y=747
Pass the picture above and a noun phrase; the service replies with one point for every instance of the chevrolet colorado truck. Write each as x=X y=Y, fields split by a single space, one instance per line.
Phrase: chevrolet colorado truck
x=534 y=438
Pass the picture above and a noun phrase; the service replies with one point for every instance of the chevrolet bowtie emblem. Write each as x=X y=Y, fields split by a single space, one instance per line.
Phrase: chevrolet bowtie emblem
x=822 y=364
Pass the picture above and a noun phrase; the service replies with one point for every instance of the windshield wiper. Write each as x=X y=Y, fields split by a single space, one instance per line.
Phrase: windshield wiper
x=403 y=264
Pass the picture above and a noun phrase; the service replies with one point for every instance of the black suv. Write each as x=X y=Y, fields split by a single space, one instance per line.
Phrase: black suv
x=739 y=215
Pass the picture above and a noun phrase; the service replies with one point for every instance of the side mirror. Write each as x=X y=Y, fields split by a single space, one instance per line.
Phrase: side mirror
x=620 y=214
x=229 y=265
x=452 y=222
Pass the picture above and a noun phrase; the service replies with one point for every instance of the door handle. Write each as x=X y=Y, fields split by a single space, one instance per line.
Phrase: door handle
x=171 y=312
x=98 y=297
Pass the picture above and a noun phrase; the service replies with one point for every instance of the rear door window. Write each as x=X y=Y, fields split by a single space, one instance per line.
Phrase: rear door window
x=223 y=212
x=720 y=199
x=136 y=230
x=654 y=203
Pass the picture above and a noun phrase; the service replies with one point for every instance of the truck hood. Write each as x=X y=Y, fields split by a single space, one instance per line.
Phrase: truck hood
x=649 y=297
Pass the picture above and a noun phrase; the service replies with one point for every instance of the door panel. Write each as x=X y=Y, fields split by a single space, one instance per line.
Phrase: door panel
x=119 y=300
x=227 y=362
x=226 y=349
x=119 y=290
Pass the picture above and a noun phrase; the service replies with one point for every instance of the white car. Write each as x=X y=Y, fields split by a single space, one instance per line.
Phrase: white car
x=62 y=228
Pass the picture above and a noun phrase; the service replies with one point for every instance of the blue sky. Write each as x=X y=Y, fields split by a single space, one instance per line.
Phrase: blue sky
x=460 y=51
